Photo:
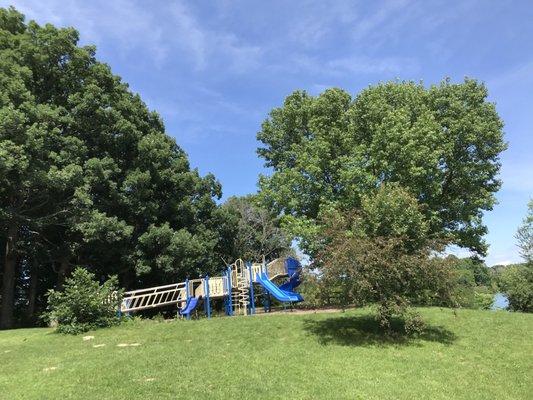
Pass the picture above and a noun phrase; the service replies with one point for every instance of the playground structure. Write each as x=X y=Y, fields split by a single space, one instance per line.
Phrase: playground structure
x=235 y=287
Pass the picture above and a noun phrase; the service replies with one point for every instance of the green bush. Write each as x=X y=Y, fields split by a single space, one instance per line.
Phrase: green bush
x=516 y=282
x=319 y=294
x=483 y=300
x=84 y=304
x=475 y=297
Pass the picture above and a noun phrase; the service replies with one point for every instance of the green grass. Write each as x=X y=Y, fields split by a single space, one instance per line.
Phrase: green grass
x=468 y=355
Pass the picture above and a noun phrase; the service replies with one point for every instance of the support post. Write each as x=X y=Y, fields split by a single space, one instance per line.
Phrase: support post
x=266 y=295
x=225 y=284
x=252 y=297
x=230 y=289
x=188 y=295
x=207 y=303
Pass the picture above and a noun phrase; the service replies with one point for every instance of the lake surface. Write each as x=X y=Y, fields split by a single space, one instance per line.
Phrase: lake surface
x=500 y=302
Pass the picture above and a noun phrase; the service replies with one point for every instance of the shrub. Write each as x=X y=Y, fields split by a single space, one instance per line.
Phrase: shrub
x=516 y=282
x=84 y=304
x=483 y=300
x=393 y=271
x=319 y=293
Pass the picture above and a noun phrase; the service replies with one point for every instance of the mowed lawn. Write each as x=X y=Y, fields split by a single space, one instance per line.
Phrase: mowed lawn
x=463 y=355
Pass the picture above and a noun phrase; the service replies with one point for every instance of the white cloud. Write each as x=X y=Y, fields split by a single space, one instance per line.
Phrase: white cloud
x=377 y=22
x=210 y=46
x=129 y=27
x=190 y=34
x=368 y=65
x=347 y=66
x=519 y=75
x=318 y=20
x=121 y=22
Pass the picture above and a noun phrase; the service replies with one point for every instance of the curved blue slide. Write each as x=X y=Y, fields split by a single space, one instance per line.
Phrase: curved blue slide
x=279 y=294
x=293 y=282
x=190 y=305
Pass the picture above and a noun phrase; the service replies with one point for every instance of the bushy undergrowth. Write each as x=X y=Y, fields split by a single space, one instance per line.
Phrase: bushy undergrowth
x=516 y=282
x=84 y=304
x=320 y=295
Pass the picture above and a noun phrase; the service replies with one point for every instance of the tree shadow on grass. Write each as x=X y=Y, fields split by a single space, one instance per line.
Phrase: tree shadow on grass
x=364 y=330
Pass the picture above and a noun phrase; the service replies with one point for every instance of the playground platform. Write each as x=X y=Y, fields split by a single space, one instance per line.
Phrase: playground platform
x=235 y=286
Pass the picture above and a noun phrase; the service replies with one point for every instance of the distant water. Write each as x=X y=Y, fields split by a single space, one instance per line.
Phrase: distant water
x=500 y=302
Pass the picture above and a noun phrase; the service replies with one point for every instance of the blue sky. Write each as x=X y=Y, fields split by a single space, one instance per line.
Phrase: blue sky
x=214 y=69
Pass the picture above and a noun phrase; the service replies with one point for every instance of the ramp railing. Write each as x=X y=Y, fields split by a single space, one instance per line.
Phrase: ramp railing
x=156 y=296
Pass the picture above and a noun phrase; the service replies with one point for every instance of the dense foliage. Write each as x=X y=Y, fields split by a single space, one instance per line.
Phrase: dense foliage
x=525 y=235
x=84 y=304
x=474 y=283
x=386 y=263
x=516 y=282
x=441 y=144
x=89 y=176
x=253 y=231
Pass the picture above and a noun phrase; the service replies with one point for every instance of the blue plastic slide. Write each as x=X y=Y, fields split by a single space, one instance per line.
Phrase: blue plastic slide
x=293 y=282
x=279 y=294
x=190 y=305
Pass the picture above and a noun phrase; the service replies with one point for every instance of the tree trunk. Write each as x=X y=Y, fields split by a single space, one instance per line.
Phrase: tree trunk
x=8 y=279
x=64 y=269
x=32 y=293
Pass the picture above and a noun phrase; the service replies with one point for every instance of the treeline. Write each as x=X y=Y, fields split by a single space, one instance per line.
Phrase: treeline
x=89 y=177
x=371 y=186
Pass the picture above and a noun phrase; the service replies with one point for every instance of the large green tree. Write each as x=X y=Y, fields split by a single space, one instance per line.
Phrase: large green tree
x=442 y=144
x=253 y=232
x=88 y=175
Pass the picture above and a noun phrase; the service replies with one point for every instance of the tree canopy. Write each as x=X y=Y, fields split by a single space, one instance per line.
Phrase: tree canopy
x=254 y=231
x=88 y=174
x=524 y=235
x=442 y=144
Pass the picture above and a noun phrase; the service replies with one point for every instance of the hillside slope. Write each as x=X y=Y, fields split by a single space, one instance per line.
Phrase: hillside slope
x=467 y=355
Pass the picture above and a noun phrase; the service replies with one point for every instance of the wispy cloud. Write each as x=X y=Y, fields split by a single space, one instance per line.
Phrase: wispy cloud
x=350 y=65
x=133 y=27
x=379 y=65
x=209 y=46
x=123 y=22
x=518 y=75
x=377 y=21
x=319 y=20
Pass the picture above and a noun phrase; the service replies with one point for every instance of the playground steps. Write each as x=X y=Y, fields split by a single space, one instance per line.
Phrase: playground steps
x=241 y=296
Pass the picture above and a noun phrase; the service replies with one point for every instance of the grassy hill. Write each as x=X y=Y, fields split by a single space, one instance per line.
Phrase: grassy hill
x=467 y=355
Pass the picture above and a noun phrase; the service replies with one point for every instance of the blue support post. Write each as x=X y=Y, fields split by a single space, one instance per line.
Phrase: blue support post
x=225 y=283
x=230 y=306
x=188 y=295
x=252 y=297
x=207 y=304
x=266 y=295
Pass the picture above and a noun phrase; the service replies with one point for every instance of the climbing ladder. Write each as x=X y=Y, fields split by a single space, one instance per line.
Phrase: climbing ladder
x=241 y=296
